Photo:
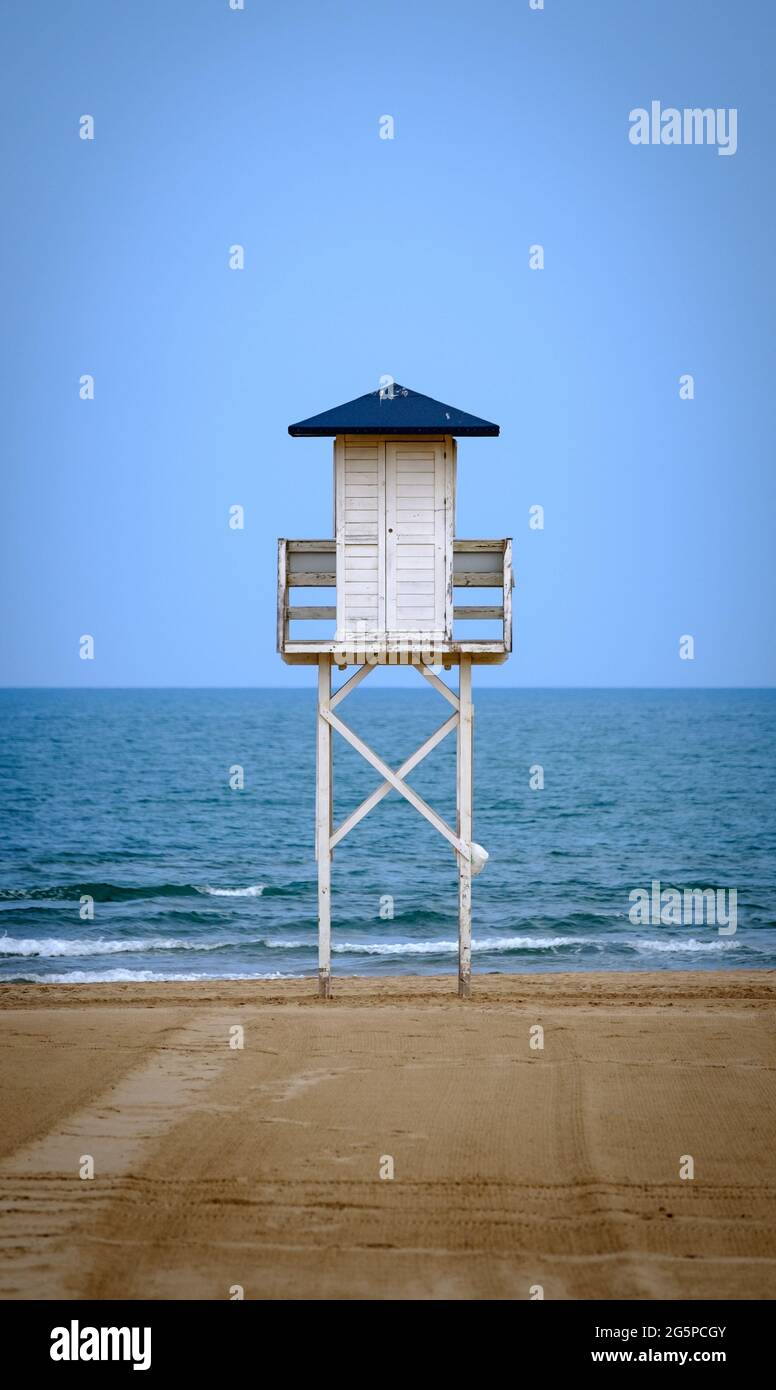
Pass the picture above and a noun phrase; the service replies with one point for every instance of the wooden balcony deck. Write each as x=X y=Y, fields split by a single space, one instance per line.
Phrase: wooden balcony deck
x=311 y=564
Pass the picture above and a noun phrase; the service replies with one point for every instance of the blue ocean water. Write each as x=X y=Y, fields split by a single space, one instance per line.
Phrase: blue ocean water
x=124 y=796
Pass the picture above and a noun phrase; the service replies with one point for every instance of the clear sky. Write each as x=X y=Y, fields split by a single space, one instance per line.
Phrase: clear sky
x=367 y=256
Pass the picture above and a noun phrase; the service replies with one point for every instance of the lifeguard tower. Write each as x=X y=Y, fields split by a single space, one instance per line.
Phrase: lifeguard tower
x=395 y=563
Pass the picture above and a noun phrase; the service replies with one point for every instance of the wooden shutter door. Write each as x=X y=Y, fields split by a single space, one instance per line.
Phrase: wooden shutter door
x=416 y=550
x=360 y=527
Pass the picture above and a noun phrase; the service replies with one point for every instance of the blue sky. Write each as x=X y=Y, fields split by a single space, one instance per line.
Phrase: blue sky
x=363 y=257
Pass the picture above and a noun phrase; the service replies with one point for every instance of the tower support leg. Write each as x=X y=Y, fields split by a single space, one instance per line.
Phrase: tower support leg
x=464 y=801
x=323 y=826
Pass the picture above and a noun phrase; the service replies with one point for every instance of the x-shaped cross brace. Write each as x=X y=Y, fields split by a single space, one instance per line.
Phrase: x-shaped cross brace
x=395 y=780
x=326 y=837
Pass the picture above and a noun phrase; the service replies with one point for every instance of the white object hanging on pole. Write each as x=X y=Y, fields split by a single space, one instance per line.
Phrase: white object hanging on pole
x=480 y=858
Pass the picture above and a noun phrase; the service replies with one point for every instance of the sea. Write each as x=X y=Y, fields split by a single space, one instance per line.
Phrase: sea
x=169 y=834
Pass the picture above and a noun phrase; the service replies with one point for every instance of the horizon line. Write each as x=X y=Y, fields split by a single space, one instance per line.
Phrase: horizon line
x=684 y=689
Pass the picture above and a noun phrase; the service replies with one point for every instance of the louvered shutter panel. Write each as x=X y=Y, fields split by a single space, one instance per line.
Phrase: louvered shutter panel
x=416 y=560
x=360 y=527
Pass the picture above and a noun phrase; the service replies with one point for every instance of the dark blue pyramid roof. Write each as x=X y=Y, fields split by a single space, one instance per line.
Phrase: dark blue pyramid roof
x=403 y=412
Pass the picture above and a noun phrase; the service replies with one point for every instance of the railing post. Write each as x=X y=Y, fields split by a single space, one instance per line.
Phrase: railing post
x=507 y=594
x=464 y=780
x=323 y=817
x=282 y=624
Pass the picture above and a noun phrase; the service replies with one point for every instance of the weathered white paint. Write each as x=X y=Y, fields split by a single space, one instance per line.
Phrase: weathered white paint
x=326 y=837
x=323 y=817
x=464 y=779
x=395 y=781
x=433 y=679
x=507 y=601
x=360 y=536
x=483 y=651
x=419 y=556
x=395 y=529
x=282 y=626
x=345 y=689
x=401 y=772
x=312 y=563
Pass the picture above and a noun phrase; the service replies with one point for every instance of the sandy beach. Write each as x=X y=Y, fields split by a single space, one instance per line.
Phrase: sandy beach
x=514 y=1166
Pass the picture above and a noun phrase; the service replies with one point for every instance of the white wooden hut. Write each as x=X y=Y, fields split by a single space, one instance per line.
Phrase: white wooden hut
x=395 y=563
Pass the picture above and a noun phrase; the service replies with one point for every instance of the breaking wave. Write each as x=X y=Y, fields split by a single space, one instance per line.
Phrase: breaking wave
x=51 y=947
x=123 y=892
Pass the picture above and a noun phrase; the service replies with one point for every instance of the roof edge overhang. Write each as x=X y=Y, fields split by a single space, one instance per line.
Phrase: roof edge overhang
x=324 y=432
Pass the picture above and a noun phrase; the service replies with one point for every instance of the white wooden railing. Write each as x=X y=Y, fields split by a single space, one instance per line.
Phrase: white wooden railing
x=477 y=564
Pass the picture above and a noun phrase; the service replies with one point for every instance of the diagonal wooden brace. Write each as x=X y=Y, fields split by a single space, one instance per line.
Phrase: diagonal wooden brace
x=345 y=689
x=402 y=772
x=396 y=782
x=433 y=679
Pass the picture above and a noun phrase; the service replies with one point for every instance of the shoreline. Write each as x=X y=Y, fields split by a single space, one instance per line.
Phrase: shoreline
x=637 y=987
x=514 y=1166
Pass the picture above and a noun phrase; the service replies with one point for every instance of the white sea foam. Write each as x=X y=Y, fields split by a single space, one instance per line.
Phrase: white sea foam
x=436 y=948
x=52 y=946
x=689 y=945
x=503 y=945
x=109 y=977
x=254 y=891
x=56 y=947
